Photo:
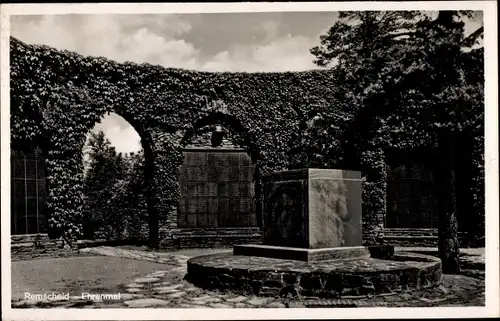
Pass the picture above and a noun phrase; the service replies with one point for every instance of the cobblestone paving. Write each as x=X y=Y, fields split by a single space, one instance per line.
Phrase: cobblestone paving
x=472 y=258
x=168 y=289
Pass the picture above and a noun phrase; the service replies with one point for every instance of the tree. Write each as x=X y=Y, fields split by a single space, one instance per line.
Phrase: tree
x=409 y=72
x=104 y=187
x=135 y=207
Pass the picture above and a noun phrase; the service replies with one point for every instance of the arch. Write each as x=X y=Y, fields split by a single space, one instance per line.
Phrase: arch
x=109 y=175
x=230 y=121
x=151 y=192
x=166 y=106
x=246 y=140
x=159 y=103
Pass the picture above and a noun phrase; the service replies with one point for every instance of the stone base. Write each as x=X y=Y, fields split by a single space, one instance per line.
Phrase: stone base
x=301 y=254
x=263 y=276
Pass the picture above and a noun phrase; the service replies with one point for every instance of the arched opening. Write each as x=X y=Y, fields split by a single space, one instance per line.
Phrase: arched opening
x=28 y=192
x=219 y=180
x=113 y=181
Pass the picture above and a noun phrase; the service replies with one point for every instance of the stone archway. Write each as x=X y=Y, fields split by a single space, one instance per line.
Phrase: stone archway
x=72 y=92
x=219 y=190
x=59 y=95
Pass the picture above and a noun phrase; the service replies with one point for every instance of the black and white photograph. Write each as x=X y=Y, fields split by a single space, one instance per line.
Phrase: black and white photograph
x=159 y=159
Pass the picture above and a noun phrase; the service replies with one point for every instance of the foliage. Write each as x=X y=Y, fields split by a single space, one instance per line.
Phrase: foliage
x=114 y=191
x=407 y=67
x=104 y=189
x=284 y=119
x=413 y=85
x=134 y=207
x=58 y=96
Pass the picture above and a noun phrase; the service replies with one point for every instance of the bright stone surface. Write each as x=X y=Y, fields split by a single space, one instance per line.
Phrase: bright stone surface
x=171 y=287
x=177 y=294
x=133 y=290
x=134 y=285
x=164 y=290
x=146 y=280
x=240 y=305
x=156 y=274
x=129 y=296
x=145 y=303
x=237 y=299
x=220 y=306
x=191 y=289
x=257 y=301
x=206 y=299
x=213 y=300
x=179 y=269
x=275 y=305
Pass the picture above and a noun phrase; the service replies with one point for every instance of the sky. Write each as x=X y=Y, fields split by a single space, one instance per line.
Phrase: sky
x=274 y=41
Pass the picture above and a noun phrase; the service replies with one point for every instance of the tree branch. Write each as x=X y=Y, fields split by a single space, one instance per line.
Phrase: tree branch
x=471 y=39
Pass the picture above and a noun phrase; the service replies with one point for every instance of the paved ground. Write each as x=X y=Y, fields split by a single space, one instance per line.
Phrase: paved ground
x=473 y=258
x=163 y=286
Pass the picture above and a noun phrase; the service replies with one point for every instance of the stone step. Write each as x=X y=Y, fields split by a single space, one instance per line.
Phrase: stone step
x=413 y=232
x=410 y=237
x=28 y=238
x=217 y=231
x=197 y=236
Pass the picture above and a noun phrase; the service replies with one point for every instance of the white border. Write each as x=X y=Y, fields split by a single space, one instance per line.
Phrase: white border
x=142 y=8
x=491 y=166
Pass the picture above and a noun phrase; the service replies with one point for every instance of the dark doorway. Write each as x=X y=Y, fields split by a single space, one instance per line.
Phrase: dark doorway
x=411 y=201
x=28 y=192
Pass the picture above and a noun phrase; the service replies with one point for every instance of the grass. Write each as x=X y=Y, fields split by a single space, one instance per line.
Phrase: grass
x=93 y=274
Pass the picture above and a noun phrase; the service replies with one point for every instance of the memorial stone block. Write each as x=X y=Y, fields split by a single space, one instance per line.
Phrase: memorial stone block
x=312 y=208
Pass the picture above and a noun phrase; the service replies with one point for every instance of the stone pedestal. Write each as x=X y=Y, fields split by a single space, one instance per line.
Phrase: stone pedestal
x=314 y=213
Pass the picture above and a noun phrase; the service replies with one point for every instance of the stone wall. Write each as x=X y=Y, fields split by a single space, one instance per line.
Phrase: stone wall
x=30 y=242
x=212 y=237
x=31 y=246
x=80 y=90
x=177 y=238
x=405 y=237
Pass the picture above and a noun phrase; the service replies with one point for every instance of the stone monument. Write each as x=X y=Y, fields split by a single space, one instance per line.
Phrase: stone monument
x=312 y=245
x=309 y=215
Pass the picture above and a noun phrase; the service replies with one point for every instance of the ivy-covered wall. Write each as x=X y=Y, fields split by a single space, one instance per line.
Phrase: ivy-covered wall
x=58 y=96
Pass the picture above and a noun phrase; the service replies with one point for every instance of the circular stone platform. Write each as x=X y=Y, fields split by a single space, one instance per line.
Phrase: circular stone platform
x=326 y=279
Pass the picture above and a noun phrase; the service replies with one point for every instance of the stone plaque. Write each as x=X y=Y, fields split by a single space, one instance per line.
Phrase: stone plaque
x=285 y=224
x=217 y=188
